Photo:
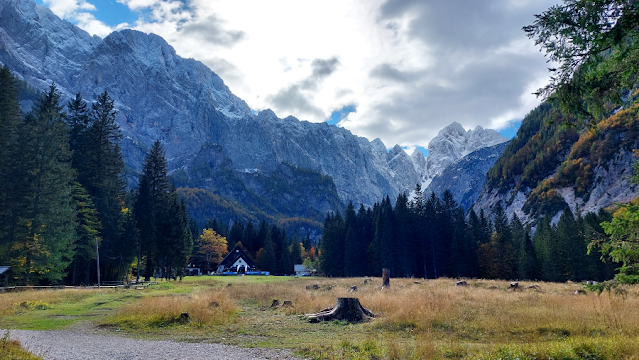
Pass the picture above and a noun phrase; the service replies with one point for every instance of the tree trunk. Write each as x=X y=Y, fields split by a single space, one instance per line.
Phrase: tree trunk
x=346 y=309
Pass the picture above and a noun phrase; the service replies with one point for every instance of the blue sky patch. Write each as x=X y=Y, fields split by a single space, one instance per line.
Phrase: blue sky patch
x=110 y=12
x=511 y=130
x=339 y=115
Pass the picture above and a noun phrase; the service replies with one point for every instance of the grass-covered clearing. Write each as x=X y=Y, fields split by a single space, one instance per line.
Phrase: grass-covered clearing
x=423 y=319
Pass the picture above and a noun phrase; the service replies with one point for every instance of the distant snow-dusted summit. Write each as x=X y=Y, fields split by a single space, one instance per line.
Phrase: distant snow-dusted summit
x=451 y=144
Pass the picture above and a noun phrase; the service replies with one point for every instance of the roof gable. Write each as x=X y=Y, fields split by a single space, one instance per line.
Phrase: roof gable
x=235 y=254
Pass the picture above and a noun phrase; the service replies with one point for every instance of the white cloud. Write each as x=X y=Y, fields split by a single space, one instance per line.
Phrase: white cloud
x=139 y=4
x=410 y=67
x=68 y=8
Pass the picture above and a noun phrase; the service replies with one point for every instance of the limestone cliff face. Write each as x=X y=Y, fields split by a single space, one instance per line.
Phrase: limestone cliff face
x=585 y=171
x=612 y=186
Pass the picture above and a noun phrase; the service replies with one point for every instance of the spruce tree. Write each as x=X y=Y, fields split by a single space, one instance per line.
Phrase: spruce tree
x=11 y=191
x=48 y=223
x=150 y=206
x=175 y=242
x=87 y=230
x=99 y=163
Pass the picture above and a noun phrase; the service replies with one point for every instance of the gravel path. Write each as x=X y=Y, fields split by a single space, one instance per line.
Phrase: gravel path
x=73 y=344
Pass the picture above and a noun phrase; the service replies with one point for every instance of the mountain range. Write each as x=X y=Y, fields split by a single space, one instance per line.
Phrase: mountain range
x=213 y=140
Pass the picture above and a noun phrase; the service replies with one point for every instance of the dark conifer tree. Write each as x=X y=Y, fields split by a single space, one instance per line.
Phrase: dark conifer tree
x=175 y=241
x=573 y=246
x=546 y=250
x=100 y=172
x=332 y=246
x=151 y=203
x=296 y=251
x=12 y=194
x=260 y=239
x=249 y=236
x=351 y=242
x=48 y=227
x=404 y=235
x=235 y=234
x=267 y=256
x=351 y=260
x=87 y=230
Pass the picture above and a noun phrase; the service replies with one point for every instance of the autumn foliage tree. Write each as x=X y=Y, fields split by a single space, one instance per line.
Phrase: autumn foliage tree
x=213 y=247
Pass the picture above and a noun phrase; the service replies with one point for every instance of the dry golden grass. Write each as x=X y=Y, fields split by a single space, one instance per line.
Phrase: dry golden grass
x=208 y=307
x=418 y=319
x=438 y=305
x=478 y=320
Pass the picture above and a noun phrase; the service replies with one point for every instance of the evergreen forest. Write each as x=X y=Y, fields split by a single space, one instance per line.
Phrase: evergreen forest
x=64 y=199
x=430 y=237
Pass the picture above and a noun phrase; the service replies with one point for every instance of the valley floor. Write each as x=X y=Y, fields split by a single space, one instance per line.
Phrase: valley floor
x=418 y=319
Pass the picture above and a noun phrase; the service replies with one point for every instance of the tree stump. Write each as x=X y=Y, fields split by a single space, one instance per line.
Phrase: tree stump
x=346 y=309
x=385 y=278
x=184 y=318
x=534 y=287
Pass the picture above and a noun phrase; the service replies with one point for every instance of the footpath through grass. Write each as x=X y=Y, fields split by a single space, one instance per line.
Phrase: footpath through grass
x=423 y=319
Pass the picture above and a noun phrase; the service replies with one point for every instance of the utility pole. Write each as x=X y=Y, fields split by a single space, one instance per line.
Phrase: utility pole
x=97 y=256
x=137 y=281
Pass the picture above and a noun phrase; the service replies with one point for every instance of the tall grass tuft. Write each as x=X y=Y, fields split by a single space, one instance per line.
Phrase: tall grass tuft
x=204 y=308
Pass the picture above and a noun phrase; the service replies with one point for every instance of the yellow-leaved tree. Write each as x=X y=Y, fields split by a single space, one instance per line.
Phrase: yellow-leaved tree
x=213 y=247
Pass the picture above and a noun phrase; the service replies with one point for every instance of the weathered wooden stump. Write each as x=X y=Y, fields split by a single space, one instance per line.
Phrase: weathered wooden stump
x=385 y=278
x=461 y=283
x=514 y=286
x=287 y=303
x=346 y=309
x=275 y=303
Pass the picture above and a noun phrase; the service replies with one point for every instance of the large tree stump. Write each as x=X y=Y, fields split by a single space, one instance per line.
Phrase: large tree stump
x=346 y=309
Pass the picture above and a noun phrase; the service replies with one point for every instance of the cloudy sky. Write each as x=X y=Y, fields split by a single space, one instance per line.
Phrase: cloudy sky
x=400 y=70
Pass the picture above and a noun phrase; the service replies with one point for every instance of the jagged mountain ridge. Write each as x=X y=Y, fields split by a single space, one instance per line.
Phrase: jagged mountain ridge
x=450 y=145
x=160 y=95
x=185 y=105
x=465 y=177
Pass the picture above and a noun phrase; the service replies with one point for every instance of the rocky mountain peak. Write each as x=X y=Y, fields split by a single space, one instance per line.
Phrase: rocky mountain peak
x=451 y=144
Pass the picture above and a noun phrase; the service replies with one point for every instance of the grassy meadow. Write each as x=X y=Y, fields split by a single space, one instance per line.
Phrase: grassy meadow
x=418 y=319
